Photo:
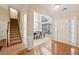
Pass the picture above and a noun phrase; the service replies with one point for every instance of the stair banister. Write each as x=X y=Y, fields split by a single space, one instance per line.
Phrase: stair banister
x=8 y=35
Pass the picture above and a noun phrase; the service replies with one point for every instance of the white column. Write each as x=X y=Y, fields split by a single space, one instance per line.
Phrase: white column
x=30 y=29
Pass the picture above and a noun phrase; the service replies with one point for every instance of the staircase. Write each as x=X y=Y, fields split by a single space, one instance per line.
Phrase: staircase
x=15 y=36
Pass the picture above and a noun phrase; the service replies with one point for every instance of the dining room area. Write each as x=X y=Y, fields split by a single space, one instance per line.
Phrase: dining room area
x=41 y=28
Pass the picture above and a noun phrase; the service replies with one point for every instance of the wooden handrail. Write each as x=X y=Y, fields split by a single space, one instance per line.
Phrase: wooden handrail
x=8 y=27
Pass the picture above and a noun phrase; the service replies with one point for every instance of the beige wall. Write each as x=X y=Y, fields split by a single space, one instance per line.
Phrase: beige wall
x=4 y=18
x=63 y=28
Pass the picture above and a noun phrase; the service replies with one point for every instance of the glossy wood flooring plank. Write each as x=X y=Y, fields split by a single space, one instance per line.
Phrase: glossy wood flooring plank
x=51 y=47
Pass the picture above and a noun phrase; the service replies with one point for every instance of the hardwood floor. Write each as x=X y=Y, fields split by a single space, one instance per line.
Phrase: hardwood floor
x=12 y=50
x=51 y=48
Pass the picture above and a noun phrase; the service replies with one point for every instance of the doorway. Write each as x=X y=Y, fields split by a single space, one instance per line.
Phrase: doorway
x=41 y=28
x=14 y=36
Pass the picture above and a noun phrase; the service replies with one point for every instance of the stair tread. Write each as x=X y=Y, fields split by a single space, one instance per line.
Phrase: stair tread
x=15 y=41
x=14 y=33
x=15 y=37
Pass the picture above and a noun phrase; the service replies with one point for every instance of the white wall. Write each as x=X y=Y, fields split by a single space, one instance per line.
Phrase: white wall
x=63 y=28
x=63 y=33
x=13 y=13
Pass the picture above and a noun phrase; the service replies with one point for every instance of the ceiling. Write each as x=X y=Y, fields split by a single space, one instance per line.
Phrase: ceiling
x=15 y=6
x=64 y=8
x=49 y=8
